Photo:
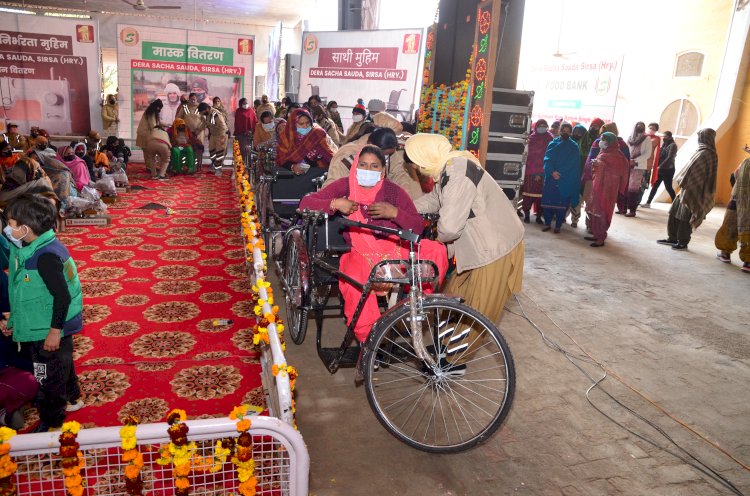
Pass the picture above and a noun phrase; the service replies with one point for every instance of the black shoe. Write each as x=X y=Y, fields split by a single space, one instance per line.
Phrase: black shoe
x=574 y=224
x=546 y=228
x=589 y=238
x=15 y=420
x=539 y=220
x=667 y=242
x=680 y=247
x=597 y=245
x=446 y=368
x=527 y=218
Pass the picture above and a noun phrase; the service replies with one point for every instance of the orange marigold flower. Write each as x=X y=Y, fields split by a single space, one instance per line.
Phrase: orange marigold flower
x=131 y=471
x=182 y=483
x=182 y=470
x=243 y=425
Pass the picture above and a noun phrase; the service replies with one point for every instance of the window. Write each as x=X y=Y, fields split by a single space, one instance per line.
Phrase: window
x=689 y=64
x=682 y=117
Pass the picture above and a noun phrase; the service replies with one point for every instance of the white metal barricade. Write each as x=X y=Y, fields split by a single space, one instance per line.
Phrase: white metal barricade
x=281 y=460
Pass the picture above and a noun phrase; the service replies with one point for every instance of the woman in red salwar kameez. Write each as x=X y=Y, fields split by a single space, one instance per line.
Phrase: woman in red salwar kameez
x=611 y=171
x=367 y=196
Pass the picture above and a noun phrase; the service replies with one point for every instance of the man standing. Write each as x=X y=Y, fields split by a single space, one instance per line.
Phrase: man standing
x=109 y=116
x=217 y=127
x=171 y=104
x=562 y=178
x=736 y=225
x=640 y=156
x=16 y=140
x=696 y=198
x=200 y=88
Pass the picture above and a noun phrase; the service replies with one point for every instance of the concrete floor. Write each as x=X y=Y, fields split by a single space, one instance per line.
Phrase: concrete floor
x=672 y=325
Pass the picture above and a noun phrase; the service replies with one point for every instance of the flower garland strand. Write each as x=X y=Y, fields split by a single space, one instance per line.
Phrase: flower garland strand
x=243 y=457
x=131 y=456
x=72 y=458
x=179 y=452
x=7 y=465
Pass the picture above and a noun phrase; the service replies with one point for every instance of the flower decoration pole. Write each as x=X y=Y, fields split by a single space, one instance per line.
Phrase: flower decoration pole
x=72 y=459
x=243 y=457
x=7 y=465
x=179 y=452
x=131 y=456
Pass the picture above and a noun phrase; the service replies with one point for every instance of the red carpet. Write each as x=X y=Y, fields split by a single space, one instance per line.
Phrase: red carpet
x=152 y=284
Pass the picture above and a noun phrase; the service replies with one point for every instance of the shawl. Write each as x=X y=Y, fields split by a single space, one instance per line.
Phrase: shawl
x=741 y=196
x=261 y=136
x=245 y=120
x=698 y=183
x=587 y=140
x=383 y=119
x=174 y=135
x=537 y=147
x=655 y=153
x=60 y=177
x=78 y=168
x=635 y=142
x=26 y=176
x=563 y=156
x=293 y=148
x=433 y=152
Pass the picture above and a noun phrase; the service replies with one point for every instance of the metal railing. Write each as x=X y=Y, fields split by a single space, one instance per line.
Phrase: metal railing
x=281 y=460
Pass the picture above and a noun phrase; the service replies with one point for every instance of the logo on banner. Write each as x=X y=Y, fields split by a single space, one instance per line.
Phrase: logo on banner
x=311 y=44
x=84 y=33
x=129 y=36
x=245 y=46
x=411 y=43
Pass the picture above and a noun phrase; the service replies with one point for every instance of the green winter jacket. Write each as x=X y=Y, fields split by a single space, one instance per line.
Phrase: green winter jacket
x=30 y=300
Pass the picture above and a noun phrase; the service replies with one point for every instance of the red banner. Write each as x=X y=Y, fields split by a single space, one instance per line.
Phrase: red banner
x=358 y=58
x=368 y=74
x=155 y=65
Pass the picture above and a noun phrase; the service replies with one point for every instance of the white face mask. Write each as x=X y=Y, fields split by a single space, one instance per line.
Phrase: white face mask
x=8 y=231
x=603 y=145
x=367 y=178
x=358 y=117
x=269 y=127
x=245 y=105
x=541 y=130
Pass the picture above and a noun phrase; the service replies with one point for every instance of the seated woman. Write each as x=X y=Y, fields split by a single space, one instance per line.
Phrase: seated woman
x=300 y=142
x=182 y=159
x=76 y=165
x=265 y=130
x=367 y=196
x=26 y=177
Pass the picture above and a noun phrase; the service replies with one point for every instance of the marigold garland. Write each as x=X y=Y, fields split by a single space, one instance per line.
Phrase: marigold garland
x=131 y=456
x=179 y=452
x=243 y=455
x=72 y=458
x=7 y=465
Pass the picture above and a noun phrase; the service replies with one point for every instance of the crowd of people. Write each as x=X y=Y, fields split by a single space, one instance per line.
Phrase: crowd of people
x=378 y=171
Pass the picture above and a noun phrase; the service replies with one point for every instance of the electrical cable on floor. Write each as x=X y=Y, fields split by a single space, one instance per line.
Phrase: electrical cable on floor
x=596 y=384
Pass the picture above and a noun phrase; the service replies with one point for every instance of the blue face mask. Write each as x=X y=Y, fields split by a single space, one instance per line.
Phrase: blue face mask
x=304 y=130
x=367 y=178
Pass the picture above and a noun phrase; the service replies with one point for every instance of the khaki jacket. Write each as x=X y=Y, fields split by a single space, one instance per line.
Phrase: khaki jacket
x=215 y=123
x=109 y=115
x=477 y=221
x=189 y=113
x=145 y=128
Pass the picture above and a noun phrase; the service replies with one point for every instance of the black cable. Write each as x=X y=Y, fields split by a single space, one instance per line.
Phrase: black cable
x=697 y=464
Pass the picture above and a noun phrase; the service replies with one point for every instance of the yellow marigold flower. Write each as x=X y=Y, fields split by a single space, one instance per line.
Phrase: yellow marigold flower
x=72 y=427
x=238 y=412
x=129 y=443
x=127 y=431
x=6 y=433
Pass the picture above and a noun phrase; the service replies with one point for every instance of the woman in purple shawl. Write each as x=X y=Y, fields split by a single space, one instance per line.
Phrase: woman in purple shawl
x=533 y=181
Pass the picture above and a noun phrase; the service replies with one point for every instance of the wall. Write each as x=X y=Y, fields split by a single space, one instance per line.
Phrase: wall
x=649 y=33
x=730 y=146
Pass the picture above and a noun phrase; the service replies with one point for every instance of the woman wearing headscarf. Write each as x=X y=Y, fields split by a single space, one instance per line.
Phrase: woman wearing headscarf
x=26 y=177
x=477 y=223
x=60 y=177
x=265 y=131
x=610 y=177
x=322 y=119
x=584 y=145
x=367 y=196
x=533 y=180
x=265 y=106
x=301 y=142
x=182 y=159
x=697 y=190
x=76 y=165
x=245 y=122
x=736 y=225
x=609 y=127
x=358 y=119
x=640 y=153
x=562 y=178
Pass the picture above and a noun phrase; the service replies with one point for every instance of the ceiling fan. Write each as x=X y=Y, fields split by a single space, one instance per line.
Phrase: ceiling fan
x=141 y=5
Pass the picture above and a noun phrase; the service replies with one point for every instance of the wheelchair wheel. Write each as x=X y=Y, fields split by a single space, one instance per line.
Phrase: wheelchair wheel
x=296 y=287
x=454 y=405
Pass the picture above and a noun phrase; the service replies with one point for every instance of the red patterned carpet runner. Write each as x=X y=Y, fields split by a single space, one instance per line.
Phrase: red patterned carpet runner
x=153 y=283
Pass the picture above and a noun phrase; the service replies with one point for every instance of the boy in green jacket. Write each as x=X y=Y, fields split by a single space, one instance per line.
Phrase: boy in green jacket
x=45 y=305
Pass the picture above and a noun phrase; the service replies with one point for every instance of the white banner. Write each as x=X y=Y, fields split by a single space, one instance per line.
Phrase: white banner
x=49 y=74
x=152 y=61
x=347 y=65
x=573 y=88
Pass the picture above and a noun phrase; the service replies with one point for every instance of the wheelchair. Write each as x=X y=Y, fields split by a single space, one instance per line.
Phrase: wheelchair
x=438 y=375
